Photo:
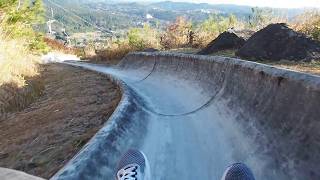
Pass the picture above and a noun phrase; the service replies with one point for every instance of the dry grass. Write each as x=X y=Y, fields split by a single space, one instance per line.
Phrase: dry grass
x=306 y=67
x=226 y=53
x=44 y=136
x=308 y=23
x=59 y=46
x=16 y=62
x=312 y=67
x=17 y=67
x=202 y=39
x=185 y=50
x=112 y=54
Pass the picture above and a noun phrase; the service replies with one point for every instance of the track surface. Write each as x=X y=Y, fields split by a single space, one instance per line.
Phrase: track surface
x=187 y=130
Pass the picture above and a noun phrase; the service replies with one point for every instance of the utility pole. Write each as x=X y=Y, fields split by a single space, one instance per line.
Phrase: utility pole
x=67 y=40
x=49 y=23
x=52 y=13
x=19 y=5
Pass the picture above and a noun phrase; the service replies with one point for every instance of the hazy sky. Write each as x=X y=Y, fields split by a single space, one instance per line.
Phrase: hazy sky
x=269 y=3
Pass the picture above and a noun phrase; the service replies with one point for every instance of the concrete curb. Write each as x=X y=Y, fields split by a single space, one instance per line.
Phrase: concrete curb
x=105 y=148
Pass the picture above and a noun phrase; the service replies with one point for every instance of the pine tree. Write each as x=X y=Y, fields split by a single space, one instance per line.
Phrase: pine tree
x=19 y=19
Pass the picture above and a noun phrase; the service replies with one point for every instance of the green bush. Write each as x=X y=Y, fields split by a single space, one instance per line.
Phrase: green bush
x=18 y=22
x=218 y=24
x=308 y=23
x=177 y=34
x=135 y=38
x=212 y=27
x=141 y=38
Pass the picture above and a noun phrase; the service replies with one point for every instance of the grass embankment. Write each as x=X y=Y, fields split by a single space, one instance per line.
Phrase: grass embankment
x=19 y=44
x=20 y=83
x=43 y=137
x=16 y=62
x=17 y=67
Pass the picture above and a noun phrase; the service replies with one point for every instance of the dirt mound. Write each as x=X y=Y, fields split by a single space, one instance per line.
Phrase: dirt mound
x=278 y=42
x=245 y=33
x=150 y=50
x=226 y=40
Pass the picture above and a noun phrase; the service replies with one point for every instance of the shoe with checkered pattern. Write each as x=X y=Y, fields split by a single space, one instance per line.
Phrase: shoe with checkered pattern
x=133 y=166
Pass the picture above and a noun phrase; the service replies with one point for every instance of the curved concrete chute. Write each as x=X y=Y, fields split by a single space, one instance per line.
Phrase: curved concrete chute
x=135 y=71
x=195 y=115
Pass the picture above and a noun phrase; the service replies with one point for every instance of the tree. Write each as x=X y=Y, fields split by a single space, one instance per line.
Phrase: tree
x=233 y=21
x=308 y=23
x=212 y=27
x=141 y=38
x=135 y=39
x=7 y=3
x=177 y=34
x=260 y=17
x=19 y=22
x=218 y=24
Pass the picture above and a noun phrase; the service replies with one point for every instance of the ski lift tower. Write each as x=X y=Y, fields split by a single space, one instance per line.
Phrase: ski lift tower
x=66 y=35
x=49 y=23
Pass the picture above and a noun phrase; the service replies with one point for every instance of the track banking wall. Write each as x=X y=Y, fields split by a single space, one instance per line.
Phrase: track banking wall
x=278 y=109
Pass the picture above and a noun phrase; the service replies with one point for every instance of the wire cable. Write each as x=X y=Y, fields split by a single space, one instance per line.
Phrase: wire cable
x=79 y=17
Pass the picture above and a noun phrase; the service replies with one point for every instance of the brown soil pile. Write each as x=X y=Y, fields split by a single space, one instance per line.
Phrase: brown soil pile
x=244 y=33
x=278 y=42
x=150 y=50
x=226 y=40
x=41 y=138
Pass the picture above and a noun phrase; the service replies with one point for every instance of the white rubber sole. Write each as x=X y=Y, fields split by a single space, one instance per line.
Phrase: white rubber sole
x=147 y=175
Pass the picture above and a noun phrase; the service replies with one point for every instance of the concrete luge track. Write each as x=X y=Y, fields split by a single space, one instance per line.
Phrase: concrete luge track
x=194 y=115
